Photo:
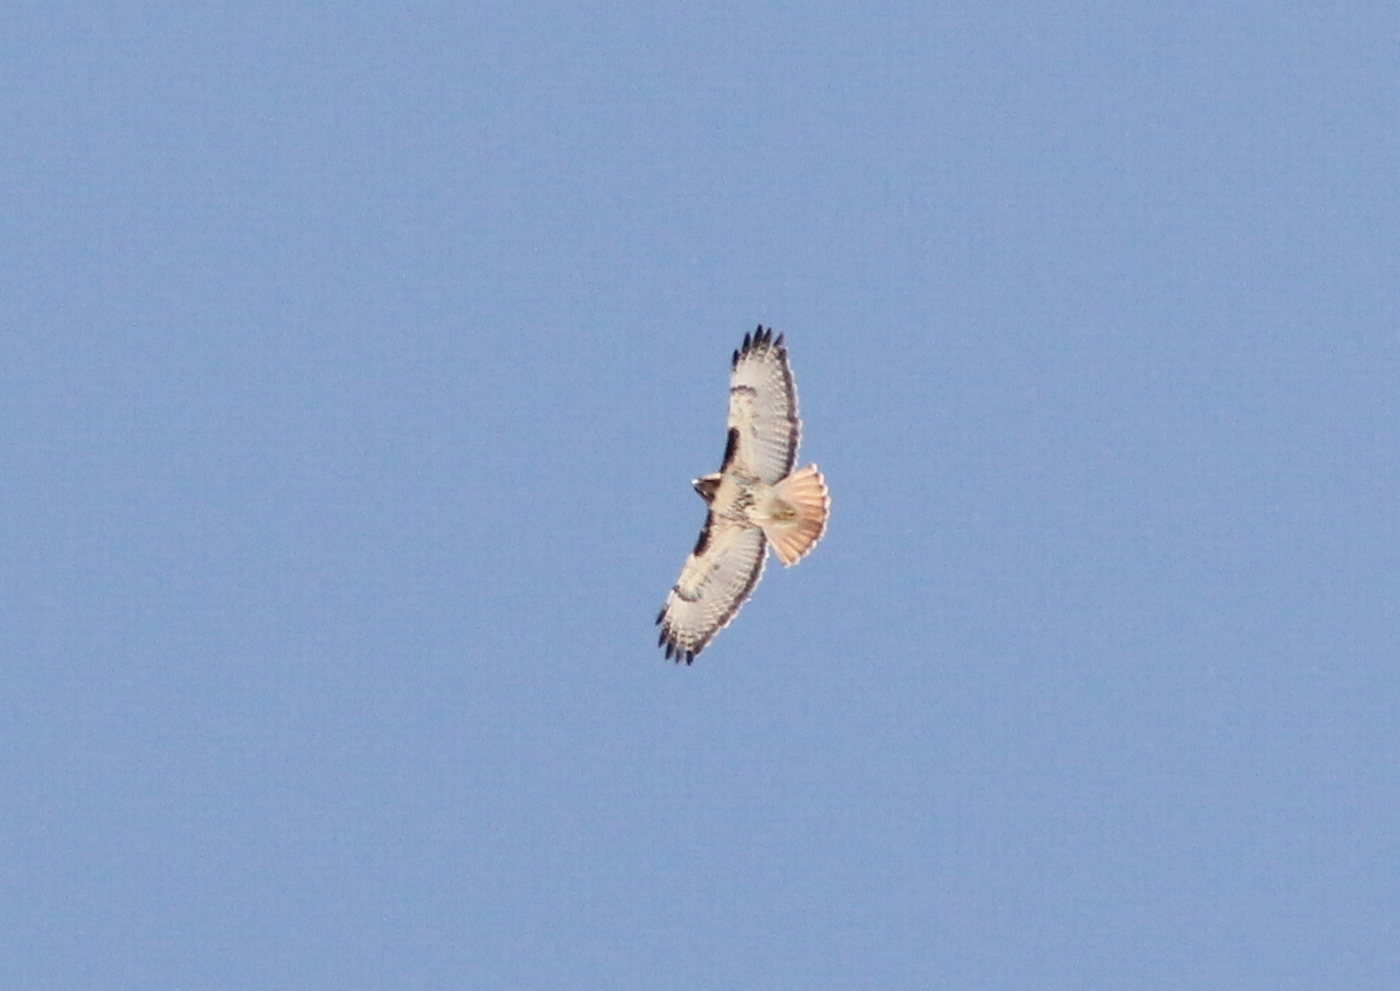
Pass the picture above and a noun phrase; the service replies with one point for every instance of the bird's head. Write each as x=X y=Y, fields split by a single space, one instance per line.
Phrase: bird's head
x=706 y=486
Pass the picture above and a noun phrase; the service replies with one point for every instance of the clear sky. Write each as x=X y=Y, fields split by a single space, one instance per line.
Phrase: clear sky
x=356 y=361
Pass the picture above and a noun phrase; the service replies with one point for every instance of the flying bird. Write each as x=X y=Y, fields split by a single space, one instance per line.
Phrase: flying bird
x=755 y=499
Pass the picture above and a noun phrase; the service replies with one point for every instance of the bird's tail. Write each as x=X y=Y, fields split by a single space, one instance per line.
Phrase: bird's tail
x=797 y=517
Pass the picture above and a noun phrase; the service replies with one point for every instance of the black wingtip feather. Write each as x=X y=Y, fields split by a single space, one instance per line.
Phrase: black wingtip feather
x=760 y=340
x=675 y=651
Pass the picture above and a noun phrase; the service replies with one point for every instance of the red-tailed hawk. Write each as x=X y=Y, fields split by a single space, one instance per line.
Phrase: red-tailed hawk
x=755 y=499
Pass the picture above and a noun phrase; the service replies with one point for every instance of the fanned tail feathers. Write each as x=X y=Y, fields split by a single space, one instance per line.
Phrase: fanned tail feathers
x=797 y=518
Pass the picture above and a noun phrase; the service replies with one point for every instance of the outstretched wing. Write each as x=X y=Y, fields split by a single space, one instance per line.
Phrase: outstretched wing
x=717 y=578
x=763 y=424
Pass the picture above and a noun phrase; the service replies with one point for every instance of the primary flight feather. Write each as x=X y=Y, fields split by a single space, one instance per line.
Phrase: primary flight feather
x=755 y=499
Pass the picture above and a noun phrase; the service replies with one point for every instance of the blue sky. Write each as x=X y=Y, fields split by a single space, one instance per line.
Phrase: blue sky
x=357 y=358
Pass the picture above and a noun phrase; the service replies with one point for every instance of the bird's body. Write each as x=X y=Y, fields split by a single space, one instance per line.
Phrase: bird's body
x=754 y=499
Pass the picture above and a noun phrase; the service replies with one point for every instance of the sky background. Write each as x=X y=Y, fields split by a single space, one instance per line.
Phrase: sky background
x=356 y=361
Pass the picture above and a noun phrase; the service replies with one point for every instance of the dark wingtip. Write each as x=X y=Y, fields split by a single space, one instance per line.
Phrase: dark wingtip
x=675 y=651
x=661 y=615
x=760 y=340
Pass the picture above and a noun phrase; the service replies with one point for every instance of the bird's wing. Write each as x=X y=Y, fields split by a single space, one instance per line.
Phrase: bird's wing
x=718 y=576
x=763 y=424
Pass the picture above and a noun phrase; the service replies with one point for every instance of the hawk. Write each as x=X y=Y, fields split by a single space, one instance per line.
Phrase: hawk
x=755 y=499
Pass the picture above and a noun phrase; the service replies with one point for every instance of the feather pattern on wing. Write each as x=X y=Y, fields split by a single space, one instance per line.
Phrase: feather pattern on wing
x=763 y=409
x=718 y=576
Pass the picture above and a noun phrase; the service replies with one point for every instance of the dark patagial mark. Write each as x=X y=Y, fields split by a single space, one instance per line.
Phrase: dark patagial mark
x=704 y=540
x=730 y=446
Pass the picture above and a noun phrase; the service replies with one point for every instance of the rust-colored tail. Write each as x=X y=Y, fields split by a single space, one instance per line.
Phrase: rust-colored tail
x=798 y=520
